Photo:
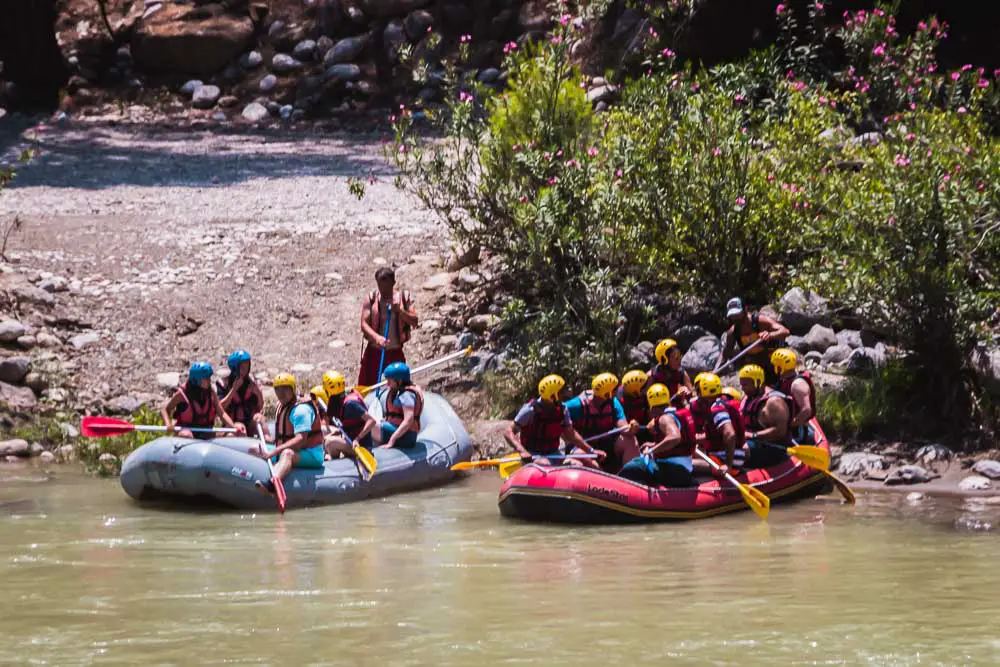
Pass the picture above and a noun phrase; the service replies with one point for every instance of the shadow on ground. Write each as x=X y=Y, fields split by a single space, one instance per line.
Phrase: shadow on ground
x=97 y=156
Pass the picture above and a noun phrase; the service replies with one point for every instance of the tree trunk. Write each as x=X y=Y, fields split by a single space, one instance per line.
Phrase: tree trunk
x=32 y=60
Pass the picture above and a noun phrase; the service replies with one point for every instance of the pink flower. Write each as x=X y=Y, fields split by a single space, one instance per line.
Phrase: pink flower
x=779 y=10
x=879 y=50
x=901 y=160
x=667 y=53
x=740 y=201
x=770 y=177
x=556 y=39
x=891 y=220
x=819 y=6
x=738 y=97
x=716 y=151
x=523 y=199
x=966 y=67
x=553 y=180
x=565 y=19
x=910 y=136
x=516 y=147
x=618 y=173
x=922 y=27
x=509 y=47
x=464 y=97
x=695 y=87
x=401 y=149
x=962 y=110
x=465 y=38
x=559 y=153
x=592 y=151
x=947 y=177
x=789 y=74
x=878 y=12
x=983 y=83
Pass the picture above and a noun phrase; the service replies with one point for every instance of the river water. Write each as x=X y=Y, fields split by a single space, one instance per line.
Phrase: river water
x=439 y=578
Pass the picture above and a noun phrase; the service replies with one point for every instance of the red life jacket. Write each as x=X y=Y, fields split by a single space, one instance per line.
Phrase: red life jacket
x=375 y=303
x=685 y=421
x=195 y=415
x=284 y=431
x=352 y=425
x=750 y=410
x=394 y=414
x=785 y=387
x=674 y=380
x=704 y=422
x=543 y=434
x=243 y=406
x=636 y=407
x=595 y=420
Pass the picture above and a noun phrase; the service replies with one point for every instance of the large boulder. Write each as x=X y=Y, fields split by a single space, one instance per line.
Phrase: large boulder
x=688 y=334
x=854 y=464
x=987 y=364
x=864 y=360
x=345 y=50
x=14 y=369
x=801 y=310
x=987 y=468
x=702 y=355
x=820 y=338
x=17 y=399
x=11 y=330
x=850 y=337
x=836 y=354
x=188 y=39
x=797 y=343
x=390 y=8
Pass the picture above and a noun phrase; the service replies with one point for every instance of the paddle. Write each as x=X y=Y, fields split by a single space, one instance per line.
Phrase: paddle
x=367 y=460
x=755 y=498
x=837 y=482
x=279 y=486
x=104 y=427
x=718 y=369
x=814 y=457
x=385 y=337
x=485 y=463
x=363 y=390
x=510 y=467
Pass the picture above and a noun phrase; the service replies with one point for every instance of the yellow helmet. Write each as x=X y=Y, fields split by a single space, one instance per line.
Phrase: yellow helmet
x=697 y=379
x=333 y=383
x=633 y=382
x=783 y=359
x=319 y=393
x=657 y=395
x=754 y=373
x=550 y=386
x=710 y=386
x=663 y=349
x=732 y=392
x=604 y=385
x=284 y=380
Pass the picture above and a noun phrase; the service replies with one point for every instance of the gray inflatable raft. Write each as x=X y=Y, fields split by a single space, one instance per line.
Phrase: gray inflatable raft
x=221 y=472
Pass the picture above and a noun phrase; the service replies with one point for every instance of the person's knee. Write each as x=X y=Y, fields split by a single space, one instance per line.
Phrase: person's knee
x=542 y=461
x=185 y=433
x=287 y=455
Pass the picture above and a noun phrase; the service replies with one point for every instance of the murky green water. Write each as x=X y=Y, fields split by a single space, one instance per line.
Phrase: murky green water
x=439 y=578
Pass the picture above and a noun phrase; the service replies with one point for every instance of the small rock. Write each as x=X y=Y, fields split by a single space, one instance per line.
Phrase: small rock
x=933 y=453
x=57 y=395
x=107 y=459
x=303 y=368
x=605 y=93
x=975 y=483
x=417 y=24
x=125 y=405
x=430 y=326
x=836 y=354
x=821 y=338
x=54 y=284
x=37 y=382
x=255 y=112
x=251 y=60
x=45 y=339
x=688 y=334
x=345 y=51
x=228 y=101
x=205 y=97
x=169 y=380
x=638 y=357
x=702 y=355
x=69 y=430
x=481 y=323
x=17 y=399
x=865 y=359
x=15 y=448
x=323 y=45
x=850 y=337
x=470 y=278
x=14 y=369
x=344 y=72
x=915 y=497
x=337 y=344
x=47 y=457
x=855 y=464
x=286 y=111
x=333 y=275
x=268 y=83
x=81 y=341
x=488 y=75
x=465 y=339
x=437 y=281
x=66 y=453
x=36 y=449
x=801 y=310
x=797 y=343
x=191 y=86
x=304 y=50
x=909 y=475
x=33 y=295
x=11 y=330
x=987 y=468
x=27 y=342
x=282 y=62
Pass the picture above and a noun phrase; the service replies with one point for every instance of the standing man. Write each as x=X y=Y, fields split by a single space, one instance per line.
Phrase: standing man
x=745 y=329
x=387 y=318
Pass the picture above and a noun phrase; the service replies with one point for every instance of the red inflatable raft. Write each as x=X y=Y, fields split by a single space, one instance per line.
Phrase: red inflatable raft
x=572 y=494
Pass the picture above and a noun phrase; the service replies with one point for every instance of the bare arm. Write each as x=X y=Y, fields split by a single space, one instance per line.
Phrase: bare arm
x=571 y=436
x=511 y=436
x=406 y=316
x=671 y=439
x=403 y=428
x=774 y=416
x=772 y=329
x=366 y=328
x=730 y=348
x=167 y=412
x=368 y=426
x=800 y=392
x=728 y=432
x=224 y=416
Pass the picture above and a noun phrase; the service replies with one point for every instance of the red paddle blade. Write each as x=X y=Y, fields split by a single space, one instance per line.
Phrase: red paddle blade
x=103 y=427
x=279 y=489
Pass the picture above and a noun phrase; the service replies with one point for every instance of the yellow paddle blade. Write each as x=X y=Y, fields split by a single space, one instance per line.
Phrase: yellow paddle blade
x=484 y=463
x=756 y=499
x=842 y=487
x=814 y=457
x=362 y=389
x=367 y=459
x=510 y=467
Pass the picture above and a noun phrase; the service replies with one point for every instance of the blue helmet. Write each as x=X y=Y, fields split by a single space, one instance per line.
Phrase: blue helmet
x=237 y=358
x=199 y=371
x=398 y=371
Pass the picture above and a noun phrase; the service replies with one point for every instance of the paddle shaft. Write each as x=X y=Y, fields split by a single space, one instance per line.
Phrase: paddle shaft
x=279 y=487
x=732 y=480
x=161 y=429
x=423 y=367
x=608 y=434
x=385 y=340
x=718 y=369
